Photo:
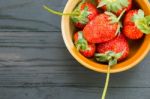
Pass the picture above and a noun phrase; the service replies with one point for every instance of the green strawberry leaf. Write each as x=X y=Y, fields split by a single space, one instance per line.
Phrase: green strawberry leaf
x=138 y=16
x=101 y=57
x=112 y=62
x=81 y=43
x=118 y=55
x=82 y=17
x=109 y=56
x=124 y=2
x=113 y=18
x=110 y=53
x=102 y=3
x=142 y=23
x=114 y=5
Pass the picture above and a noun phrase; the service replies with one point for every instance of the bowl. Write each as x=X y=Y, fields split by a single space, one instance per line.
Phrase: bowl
x=138 y=49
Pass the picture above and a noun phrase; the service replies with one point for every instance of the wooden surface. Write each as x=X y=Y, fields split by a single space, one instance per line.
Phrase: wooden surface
x=35 y=64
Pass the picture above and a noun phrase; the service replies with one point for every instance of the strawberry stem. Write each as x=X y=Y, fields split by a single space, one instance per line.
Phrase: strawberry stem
x=121 y=15
x=110 y=57
x=56 y=12
x=120 y=24
x=118 y=28
x=106 y=83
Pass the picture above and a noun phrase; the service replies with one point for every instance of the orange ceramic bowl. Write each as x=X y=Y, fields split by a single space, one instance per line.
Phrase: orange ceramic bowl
x=138 y=50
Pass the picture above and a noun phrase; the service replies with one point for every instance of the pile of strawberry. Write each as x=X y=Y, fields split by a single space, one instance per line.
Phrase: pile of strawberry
x=103 y=29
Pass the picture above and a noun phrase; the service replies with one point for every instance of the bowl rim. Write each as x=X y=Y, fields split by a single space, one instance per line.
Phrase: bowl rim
x=69 y=47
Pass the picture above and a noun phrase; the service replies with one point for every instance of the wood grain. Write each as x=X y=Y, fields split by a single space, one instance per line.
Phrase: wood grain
x=29 y=15
x=41 y=59
x=72 y=93
x=35 y=64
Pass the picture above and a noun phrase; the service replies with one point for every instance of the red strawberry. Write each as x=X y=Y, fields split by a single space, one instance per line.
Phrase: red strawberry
x=89 y=52
x=135 y=24
x=86 y=49
x=84 y=13
x=132 y=32
x=81 y=15
x=113 y=50
x=115 y=6
x=101 y=29
x=129 y=16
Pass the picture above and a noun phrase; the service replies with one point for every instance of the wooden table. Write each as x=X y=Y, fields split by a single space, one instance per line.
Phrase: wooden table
x=35 y=64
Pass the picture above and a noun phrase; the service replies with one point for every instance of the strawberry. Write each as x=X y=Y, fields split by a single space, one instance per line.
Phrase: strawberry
x=112 y=51
x=128 y=17
x=84 y=13
x=135 y=24
x=85 y=48
x=89 y=52
x=115 y=6
x=132 y=32
x=103 y=28
x=81 y=15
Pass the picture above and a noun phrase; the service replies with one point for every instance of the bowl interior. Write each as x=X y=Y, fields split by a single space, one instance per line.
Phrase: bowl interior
x=138 y=48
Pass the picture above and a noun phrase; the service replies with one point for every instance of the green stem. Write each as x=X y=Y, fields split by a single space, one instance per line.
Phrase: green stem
x=56 y=12
x=118 y=28
x=121 y=15
x=118 y=19
x=106 y=83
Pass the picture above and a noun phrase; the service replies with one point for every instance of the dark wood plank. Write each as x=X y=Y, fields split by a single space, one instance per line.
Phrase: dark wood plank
x=72 y=93
x=31 y=40
x=41 y=59
x=37 y=65
x=28 y=15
